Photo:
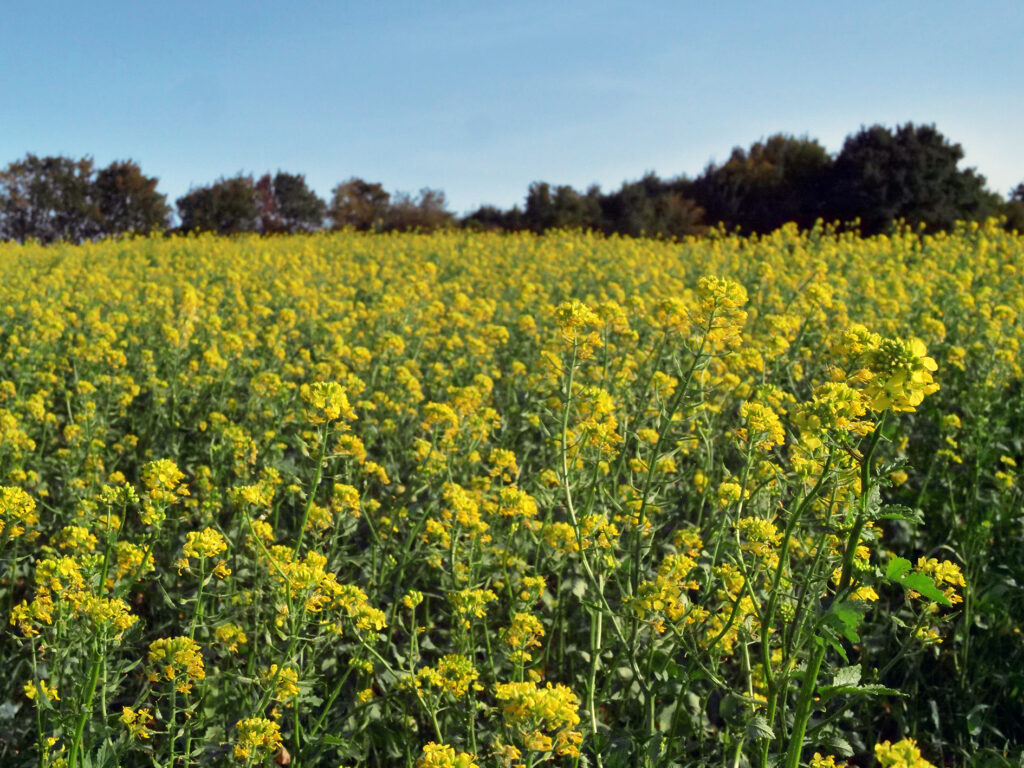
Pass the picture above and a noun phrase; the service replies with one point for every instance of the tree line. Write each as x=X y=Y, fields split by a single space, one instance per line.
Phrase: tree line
x=880 y=176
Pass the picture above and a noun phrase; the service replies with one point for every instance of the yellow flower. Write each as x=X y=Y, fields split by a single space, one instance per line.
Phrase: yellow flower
x=453 y=674
x=34 y=689
x=205 y=543
x=763 y=429
x=326 y=402
x=442 y=756
x=902 y=375
x=230 y=636
x=729 y=493
x=944 y=573
x=17 y=512
x=902 y=754
x=257 y=738
x=162 y=479
x=524 y=632
x=285 y=681
x=538 y=713
x=137 y=722
x=178 y=661
x=828 y=761
x=471 y=603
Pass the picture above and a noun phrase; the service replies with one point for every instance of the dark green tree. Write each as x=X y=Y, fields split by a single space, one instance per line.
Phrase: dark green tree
x=650 y=207
x=426 y=212
x=779 y=180
x=490 y=218
x=359 y=204
x=287 y=204
x=228 y=206
x=49 y=199
x=127 y=200
x=1013 y=209
x=910 y=173
x=561 y=208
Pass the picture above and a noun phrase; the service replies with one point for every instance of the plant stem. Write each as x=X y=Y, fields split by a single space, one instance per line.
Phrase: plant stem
x=803 y=706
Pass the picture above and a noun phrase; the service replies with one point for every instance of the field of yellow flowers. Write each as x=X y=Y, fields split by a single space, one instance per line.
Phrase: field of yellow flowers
x=506 y=500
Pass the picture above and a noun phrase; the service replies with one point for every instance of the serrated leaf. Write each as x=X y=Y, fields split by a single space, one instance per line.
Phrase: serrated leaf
x=836 y=744
x=836 y=646
x=899 y=512
x=847 y=676
x=924 y=584
x=849 y=618
x=758 y=728
x=896 y=568
x=829 y=691
x=875 y=689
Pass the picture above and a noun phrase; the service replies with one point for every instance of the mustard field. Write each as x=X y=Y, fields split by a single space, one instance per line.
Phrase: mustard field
x=507 y=500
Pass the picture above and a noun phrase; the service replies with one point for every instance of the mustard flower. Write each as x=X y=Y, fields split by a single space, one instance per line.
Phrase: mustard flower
x=257 y=738
x=902 y=754
x=177 y=660
x=442 y=756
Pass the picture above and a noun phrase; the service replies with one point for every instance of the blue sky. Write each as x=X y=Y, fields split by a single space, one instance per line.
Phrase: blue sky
x=480 y=98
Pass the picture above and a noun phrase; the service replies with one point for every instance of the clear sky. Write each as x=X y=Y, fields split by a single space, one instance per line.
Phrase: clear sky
x=480 y=98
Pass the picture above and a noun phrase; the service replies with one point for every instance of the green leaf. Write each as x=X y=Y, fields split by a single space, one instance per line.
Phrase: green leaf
x=579 y=587
x=899 y=512
x=846 y=619
x=758 y=728
x=847 y=676
x=875 y=689
x=924 y=584
x=836 y=646
x=896 y=568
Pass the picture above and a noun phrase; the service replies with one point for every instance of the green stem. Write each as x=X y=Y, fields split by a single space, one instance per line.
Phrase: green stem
x=94 y=676
x=313 y=489
x=803 y=706
x=862 y=512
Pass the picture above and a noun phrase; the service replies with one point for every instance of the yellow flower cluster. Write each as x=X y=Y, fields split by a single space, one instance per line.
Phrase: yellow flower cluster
x=257 y=738
x=442 y=756
x=17 y=513
x=178 y=660
x=523 y=633
x=545 y=718
x=453 y=674
x=202 y=545
x=591 y=446
x=902 y=754
x=326 y=402
x=137 y=721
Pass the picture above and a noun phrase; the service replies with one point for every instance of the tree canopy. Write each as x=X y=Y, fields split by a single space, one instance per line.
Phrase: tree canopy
x=288 y=205
x=228 y=206
x=880 y=176
x=911 y=173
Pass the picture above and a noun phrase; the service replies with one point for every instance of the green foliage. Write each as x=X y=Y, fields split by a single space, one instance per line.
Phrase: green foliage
x=358 y=204
x=561 y=208
x=128 y=201
x=288 y=205
x=779 y=180
x=650 y=207
x=226 y=207
x=59 y=198
x=426 y=212
x=910 y=174
x=48 y=199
